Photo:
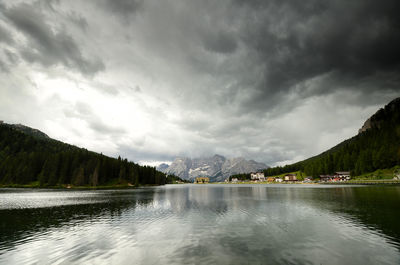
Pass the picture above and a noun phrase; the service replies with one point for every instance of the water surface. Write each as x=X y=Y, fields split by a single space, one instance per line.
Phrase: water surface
x=202 y=224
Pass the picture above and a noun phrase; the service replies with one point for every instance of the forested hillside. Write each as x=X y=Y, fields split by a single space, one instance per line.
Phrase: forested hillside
x=27 y=158
x=377 y=146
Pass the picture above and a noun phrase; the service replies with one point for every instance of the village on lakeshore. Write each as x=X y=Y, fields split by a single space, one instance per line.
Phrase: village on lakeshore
x=293 y=178
x=259 y=177
x=340 y=177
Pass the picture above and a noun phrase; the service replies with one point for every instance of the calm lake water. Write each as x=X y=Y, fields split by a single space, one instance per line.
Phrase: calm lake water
x=202 y=224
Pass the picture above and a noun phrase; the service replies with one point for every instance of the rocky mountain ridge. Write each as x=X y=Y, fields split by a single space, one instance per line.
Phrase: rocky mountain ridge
x=217 y=167
x=376 y=120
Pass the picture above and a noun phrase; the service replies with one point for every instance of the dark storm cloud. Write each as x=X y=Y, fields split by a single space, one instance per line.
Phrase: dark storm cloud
x=45 y=46
x=274 y=81
x=80 y=21
x=297 y=41
x=220 y=42
x=236 y=65
x=5 y=35
x=126 y=8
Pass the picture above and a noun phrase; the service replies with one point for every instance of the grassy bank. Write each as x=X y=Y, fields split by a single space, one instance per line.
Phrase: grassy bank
x=380 y=174
x=366 y=182
x=300 y=175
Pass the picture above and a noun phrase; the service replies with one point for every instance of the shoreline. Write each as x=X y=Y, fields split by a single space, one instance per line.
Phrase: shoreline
x=65 y=187
x=354 y=182
x=126 y=187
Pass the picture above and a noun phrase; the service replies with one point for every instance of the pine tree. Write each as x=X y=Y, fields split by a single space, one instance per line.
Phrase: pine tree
x=95 y=175
x=79 y=177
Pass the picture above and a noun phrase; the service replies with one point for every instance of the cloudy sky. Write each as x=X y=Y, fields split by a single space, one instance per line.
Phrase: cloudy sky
x=276 y=80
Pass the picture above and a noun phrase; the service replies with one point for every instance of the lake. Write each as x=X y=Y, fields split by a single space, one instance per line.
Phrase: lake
x=202 y=224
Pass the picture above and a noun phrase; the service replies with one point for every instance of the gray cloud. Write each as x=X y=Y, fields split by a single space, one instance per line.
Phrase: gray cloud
x=45 y=45
x=100 y=127
x=298 y=42
x=5 y=35
x=11 y=56
x=136 y=154
x=3 y=67
x=85 y=113
x=220 y=42
x=80 y=21
x=273 y=81
x=124 y=8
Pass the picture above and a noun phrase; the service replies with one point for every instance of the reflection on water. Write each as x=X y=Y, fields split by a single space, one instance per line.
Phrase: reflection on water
x=202 y=224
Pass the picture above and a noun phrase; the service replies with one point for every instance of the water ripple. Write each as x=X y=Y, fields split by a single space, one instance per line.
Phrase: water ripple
x=204 y=224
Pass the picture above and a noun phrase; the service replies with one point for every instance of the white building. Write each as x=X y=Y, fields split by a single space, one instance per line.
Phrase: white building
x=343 y=175
x=257 y=176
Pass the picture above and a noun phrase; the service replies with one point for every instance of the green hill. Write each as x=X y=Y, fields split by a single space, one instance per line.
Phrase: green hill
x=30 y=157
x=29 y=131
x=377 y=146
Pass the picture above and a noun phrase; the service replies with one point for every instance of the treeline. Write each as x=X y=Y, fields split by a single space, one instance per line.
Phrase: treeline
x=25 y=158
x=240 y=177
x=376 y=148
x=171 y=179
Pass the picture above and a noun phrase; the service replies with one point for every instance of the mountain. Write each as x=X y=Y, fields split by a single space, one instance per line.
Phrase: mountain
x=30 y=131
x=382 y=115
x=29 y=156
x=162 y=167
x=376 y=146
x=240 y=165
x=217 y=167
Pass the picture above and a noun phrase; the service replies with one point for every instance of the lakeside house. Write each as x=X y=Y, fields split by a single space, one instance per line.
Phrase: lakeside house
x=278 y=180
x=308 y=179
x=343 y=175
x=325 y=178
x=339 y=176
x=290 y=177
x=235 y=180
x=270 y=179
x=202 y=180
x=258 y=176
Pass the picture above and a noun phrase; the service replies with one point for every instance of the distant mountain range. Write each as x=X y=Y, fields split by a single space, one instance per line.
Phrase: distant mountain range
x=217 y=167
